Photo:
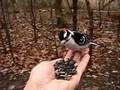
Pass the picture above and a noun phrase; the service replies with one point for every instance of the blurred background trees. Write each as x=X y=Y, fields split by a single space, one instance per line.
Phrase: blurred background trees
x=62 y=10
x=28 y=30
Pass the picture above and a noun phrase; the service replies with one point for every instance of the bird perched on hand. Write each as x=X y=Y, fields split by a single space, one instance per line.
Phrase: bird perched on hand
x=74 y=40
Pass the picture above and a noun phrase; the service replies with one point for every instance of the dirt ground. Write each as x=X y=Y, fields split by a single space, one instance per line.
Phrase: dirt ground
x=102 y=73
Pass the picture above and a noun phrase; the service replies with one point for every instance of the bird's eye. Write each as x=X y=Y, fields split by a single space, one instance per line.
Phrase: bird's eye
x=81 y=39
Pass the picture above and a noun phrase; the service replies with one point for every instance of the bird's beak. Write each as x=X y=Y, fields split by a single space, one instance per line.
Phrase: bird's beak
x=63 y=42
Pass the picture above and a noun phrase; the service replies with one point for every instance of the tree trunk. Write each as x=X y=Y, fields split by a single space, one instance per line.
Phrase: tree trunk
x=7 y=13
x=108 y=10
x=40 y=19
x=75 y=14
x=1 y=37
x=118 y=31
x=100 y=18
x=91 y=24
x=58 y=8
x=69 y=7
x=108 y=3
x=33 y=19
x=7 y=30
x=14 y=8
x=68 y=4
x=61 y=22
x=51 y=15
x=2 y=40
x=58 y=12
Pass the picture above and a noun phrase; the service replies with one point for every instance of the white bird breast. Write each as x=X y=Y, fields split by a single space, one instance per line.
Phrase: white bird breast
x=72 y=45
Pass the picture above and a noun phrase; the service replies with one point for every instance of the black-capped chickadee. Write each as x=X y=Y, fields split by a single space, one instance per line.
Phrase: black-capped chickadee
x=74 y=40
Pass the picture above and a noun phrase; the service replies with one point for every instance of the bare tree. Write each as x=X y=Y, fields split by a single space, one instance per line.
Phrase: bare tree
x=118 y=31
x=58 y=12
x=51 y=13
x=61 y=22
x=108 y=3
x=108 y=9
x=91 y=24
x=40 y=17
x=13 y=2
x=75 y=14
x=33 y=20
x=7 y=12
x=1 y=37
x=14 y=8
x=68 y=4
x=53 y=26
x=58 y=8
x=6 y=29
x=99 y=9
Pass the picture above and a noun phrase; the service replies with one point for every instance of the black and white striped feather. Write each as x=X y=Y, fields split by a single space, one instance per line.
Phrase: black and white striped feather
x=74 y=40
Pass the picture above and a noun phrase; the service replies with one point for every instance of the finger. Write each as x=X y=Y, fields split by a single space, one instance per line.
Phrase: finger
x=83 y=64
x=80 y=69
x=63 y=55
x=69 y=54
x=85 y=51
x=77 y=57
x=54 y=61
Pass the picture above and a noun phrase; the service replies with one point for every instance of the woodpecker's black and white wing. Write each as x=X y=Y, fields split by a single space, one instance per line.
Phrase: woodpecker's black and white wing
x=81 y=39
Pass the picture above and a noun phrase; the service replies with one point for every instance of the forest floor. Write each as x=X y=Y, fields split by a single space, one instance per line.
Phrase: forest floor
x=103 y=72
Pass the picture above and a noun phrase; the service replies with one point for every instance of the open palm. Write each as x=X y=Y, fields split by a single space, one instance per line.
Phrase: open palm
x=43 y=75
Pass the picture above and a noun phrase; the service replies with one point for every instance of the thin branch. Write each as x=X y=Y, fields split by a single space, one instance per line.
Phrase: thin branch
x=108 y=3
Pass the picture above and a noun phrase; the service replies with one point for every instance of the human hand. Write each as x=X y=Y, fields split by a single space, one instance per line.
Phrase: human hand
x=42 y=76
